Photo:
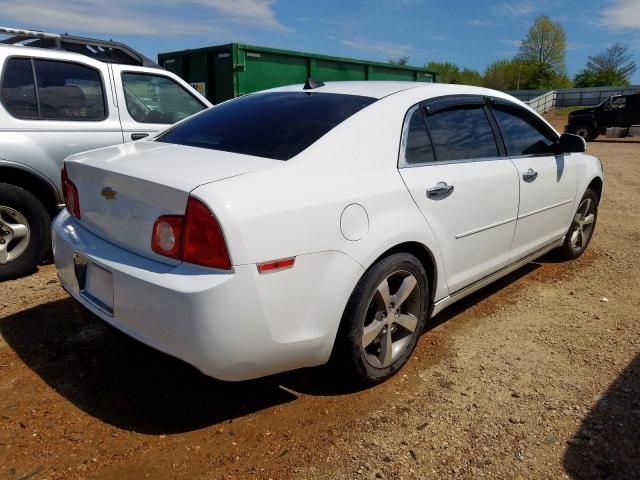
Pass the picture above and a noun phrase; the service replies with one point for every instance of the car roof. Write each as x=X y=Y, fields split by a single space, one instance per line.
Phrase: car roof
x=381 y=89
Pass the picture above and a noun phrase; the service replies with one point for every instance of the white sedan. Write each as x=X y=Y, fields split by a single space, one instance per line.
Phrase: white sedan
x=299 y=225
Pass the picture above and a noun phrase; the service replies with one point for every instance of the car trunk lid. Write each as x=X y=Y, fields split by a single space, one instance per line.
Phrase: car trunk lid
x=123 y=189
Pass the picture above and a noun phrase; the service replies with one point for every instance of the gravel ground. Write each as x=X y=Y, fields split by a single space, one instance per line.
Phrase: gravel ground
x=537 y=376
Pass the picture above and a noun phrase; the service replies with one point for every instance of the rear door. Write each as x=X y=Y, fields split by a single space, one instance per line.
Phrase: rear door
x=150 y=101
x=55 y=108
x=548 y=182
x=465 y=186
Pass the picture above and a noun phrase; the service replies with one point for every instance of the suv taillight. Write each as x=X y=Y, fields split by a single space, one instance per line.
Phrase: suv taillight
x=195 y=237
x=70 y=193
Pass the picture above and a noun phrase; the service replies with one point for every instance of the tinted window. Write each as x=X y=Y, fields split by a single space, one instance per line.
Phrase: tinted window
x=69 y=91
x=521 y=135
x=417 y=147
x=18 y=91
x=157 y=99
x=271 y=125
x=462 y=133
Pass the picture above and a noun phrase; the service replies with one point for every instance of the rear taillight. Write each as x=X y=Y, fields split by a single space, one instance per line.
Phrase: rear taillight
x=195 y=237
x=70 y=193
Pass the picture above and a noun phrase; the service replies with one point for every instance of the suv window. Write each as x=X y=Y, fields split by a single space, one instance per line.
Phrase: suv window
x=522 y=134
x=462 y=133
x=277 y=125
x=18 y=91
x=66 y=91
x=69 y=91
x=157 y=99
x=417 y=144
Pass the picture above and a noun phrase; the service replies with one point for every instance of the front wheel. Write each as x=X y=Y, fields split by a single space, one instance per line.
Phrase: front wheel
x=585 y=131
x=25 y=231
x=383 y=319
x=582 y=226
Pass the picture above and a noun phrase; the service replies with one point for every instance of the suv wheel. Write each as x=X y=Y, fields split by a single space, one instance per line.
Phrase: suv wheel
x=383 y=319
x=25 y=231
x=585 y=131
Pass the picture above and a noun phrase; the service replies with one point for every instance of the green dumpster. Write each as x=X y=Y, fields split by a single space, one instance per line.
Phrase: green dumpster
x=226 y=71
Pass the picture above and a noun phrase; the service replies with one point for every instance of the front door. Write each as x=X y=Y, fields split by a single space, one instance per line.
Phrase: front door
x=465 y=187
x=548 y=182
x=150 y=102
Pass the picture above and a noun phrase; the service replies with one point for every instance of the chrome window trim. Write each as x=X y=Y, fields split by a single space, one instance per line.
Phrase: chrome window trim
x=402 y=162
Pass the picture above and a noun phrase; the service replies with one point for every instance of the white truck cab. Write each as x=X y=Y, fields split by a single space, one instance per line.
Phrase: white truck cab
x=61 y=95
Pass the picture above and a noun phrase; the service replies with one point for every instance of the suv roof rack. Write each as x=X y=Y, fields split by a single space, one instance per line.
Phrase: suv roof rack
x=104 y=50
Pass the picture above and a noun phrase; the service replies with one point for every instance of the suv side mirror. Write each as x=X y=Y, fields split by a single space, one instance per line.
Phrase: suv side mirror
x=570 y=143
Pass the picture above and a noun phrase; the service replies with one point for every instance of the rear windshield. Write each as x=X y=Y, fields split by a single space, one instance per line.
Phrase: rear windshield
x=277 y=125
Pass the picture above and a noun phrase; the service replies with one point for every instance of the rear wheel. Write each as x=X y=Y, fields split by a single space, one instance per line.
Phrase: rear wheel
x=582 y=226
x=383 y=319
x=25 y=231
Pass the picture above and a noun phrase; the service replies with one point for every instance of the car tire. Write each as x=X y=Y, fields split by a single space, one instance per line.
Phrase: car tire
x=25 y=231
x=379 y=330
x=585 y=131
x=582 y=227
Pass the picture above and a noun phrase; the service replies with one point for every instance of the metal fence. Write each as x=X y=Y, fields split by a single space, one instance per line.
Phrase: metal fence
x=543 y=103
x=569 y=97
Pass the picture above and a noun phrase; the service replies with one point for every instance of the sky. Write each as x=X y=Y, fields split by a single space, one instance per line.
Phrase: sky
x=469 y=33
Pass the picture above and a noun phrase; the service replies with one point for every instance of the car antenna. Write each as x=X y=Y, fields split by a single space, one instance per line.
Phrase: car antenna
x=312 y=83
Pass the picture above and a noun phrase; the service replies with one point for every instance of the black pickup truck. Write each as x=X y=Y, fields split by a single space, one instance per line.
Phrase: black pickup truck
x=616 y=111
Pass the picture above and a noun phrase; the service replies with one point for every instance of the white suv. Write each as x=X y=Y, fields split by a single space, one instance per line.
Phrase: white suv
x=61 y=95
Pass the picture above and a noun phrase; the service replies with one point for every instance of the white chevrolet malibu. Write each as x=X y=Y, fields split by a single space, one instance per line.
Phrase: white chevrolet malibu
x=299 y=225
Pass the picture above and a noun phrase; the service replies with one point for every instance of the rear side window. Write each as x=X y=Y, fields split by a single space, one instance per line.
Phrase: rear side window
x=18 y=92
x=277 y=125
x=59 y=91
x=522 y=134
x=417 y=148
x=69 y=91
x=462 y=133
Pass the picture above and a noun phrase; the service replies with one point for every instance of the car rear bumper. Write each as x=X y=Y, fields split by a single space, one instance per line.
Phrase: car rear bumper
x=232 y=325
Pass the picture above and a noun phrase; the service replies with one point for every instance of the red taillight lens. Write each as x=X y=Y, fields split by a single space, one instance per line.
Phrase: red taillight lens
x=70 y=193
x=203 y=242
x=195 y=237
x=167 y=236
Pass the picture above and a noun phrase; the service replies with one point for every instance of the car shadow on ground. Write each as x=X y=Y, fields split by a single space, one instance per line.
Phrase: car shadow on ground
x=134 y=387
x=607 y=444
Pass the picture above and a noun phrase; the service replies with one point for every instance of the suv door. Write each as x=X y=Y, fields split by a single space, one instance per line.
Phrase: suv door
x=150 y=101
x=55 y=108
x=612 y=113
x=462 y=181
x=548 y=181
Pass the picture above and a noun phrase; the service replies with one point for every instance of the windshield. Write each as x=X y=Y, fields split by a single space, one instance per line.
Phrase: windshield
x=276 y=125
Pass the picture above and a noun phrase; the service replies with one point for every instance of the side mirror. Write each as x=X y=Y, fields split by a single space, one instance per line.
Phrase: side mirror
x=570 y=143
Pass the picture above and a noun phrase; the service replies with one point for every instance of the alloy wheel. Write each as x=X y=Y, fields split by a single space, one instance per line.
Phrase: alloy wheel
x=392 y=319
x=14 y=234
x=583 y=223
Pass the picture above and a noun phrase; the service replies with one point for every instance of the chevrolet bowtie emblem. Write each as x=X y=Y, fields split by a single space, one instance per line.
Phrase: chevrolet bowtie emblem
x=109 y=193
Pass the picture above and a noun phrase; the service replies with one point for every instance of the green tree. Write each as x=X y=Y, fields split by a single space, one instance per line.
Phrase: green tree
x=510 y=74
x=447 y=72
x=614 y=66
x=544 y=48
x=471 y=77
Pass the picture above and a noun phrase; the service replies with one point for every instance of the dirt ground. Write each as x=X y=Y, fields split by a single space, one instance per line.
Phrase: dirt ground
x=537 y=376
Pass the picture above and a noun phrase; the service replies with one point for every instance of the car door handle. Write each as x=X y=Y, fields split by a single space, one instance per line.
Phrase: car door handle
x=441 y=190
x=138 y=136
x=530 y=175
